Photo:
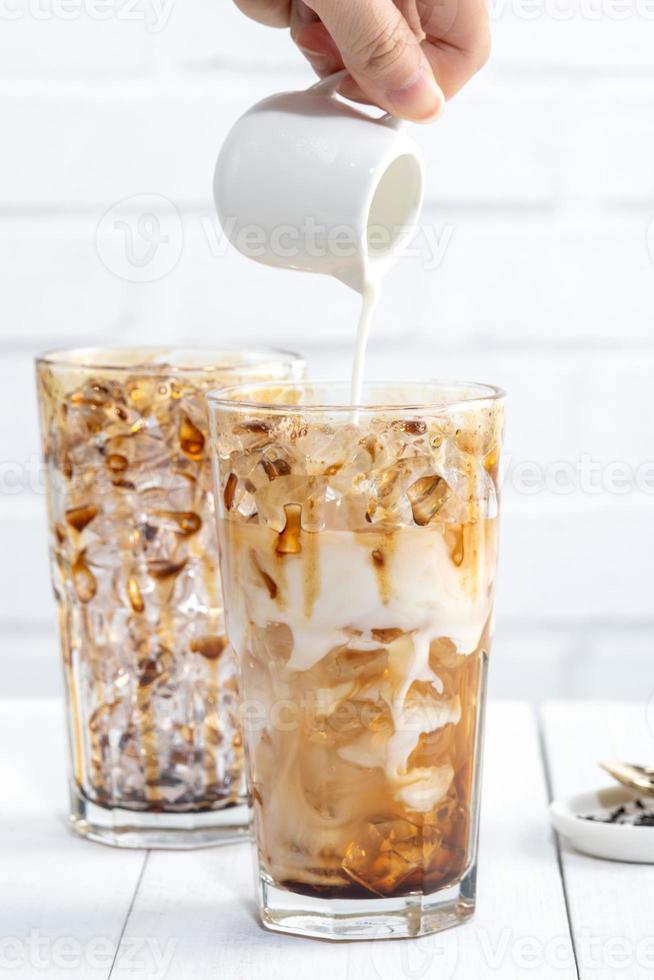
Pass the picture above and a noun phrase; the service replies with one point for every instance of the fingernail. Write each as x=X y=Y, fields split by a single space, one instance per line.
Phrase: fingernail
x=305 y=13
x=420 y=99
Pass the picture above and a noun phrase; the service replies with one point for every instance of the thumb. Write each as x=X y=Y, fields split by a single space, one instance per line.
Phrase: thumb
x=383 y=55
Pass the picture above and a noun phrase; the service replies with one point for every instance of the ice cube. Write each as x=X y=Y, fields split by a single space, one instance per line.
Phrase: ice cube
x=191 y=439
x=383 y=855
x=288 y=542
x=427 y=496
x=79 y=517
x=84 y=580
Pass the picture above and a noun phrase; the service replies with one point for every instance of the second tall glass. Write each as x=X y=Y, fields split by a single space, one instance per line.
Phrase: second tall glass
x=150 y=681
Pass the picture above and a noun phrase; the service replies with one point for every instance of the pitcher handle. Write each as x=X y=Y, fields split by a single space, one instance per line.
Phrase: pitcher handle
x=388 y=119
x=329 y=86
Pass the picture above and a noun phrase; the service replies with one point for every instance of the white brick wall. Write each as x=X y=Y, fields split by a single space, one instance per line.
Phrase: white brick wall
x=540 y=195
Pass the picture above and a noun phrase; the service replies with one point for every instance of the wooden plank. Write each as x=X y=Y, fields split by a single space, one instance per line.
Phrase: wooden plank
x=63 y=900
x=610 y=903
x=521 y=923
x=202 y=901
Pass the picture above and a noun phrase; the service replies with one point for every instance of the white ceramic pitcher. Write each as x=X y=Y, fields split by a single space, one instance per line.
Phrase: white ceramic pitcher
x=306 y=181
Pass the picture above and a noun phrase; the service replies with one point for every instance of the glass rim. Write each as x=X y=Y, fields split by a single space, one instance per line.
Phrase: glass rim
x=227 y=397
x=108 y=358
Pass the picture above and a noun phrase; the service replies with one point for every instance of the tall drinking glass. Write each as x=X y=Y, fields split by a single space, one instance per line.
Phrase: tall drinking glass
x=358 y=552
x=150 y=681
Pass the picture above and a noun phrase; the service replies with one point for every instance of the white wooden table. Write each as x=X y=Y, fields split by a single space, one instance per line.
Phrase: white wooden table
x=70 y=908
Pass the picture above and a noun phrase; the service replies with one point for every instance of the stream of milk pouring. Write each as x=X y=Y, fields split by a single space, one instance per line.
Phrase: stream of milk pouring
x=369 y=302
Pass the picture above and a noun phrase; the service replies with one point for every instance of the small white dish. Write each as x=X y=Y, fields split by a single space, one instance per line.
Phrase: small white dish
x=617 y=842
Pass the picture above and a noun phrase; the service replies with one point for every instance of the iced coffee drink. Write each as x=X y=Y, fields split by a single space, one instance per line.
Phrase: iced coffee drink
x=150 y=680
x=358 y=551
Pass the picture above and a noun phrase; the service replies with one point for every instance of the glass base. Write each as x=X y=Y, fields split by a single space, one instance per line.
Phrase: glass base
x=375 y=918
x=119 y=827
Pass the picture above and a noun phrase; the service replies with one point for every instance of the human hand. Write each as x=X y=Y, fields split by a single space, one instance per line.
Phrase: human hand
x=406 y=56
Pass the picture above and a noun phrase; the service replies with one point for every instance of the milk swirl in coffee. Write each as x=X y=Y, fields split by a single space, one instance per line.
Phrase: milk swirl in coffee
x=358 y=559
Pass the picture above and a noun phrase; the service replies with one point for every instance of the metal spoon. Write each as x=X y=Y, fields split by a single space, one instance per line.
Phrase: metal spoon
x=635 y=777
